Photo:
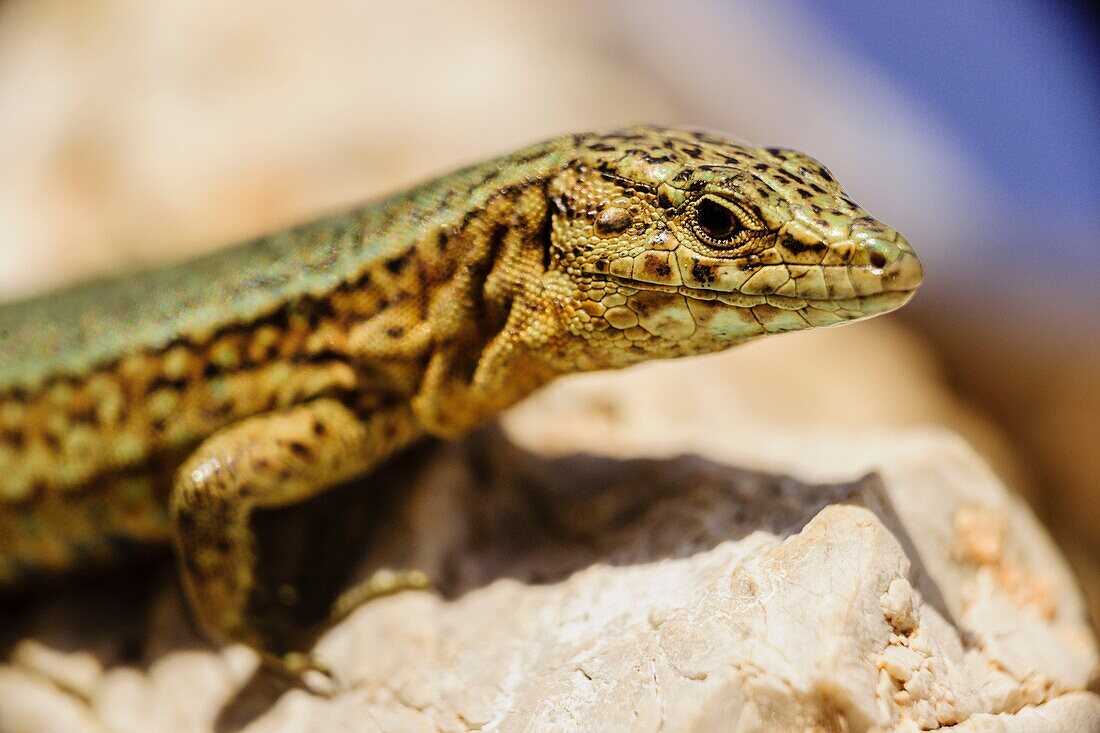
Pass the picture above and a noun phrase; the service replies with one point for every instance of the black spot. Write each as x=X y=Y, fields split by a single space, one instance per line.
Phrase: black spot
x=395 y=332
x=702 y=273
x=185 y=520
x=878 y=259
x=602 y=265
x=796 y=247
x=496 y=241
x=163 y=382
x=396 y=264
x=13 y=438
x=664 y=201
x=300 y=450
x=543 y=235
x=804 y=193
x=281 y=318
x=319 y=429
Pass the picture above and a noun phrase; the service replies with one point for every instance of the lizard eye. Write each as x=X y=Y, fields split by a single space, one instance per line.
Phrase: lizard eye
x=716 y=223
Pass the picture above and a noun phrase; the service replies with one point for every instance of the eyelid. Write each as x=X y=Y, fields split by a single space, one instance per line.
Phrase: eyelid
x=706 y=238
x=748 y=221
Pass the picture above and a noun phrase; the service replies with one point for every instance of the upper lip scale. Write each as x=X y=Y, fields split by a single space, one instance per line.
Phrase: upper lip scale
x=720 y=294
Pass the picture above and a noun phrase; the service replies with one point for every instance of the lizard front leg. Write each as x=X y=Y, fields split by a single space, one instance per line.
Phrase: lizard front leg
x=270 y=460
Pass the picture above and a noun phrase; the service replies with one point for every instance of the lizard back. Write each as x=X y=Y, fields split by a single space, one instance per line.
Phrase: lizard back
x=450 y=302
x=105 y=386
x=69 y=332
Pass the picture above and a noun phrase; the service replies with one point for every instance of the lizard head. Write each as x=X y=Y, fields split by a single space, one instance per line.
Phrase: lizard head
x=669 y=243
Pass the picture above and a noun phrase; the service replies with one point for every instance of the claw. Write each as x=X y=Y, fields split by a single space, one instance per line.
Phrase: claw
x=303 y=668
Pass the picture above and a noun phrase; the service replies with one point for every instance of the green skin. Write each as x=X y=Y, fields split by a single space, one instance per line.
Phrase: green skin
x=164 y=406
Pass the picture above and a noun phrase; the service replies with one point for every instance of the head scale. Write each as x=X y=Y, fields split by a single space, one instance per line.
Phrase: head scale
x=668 y=242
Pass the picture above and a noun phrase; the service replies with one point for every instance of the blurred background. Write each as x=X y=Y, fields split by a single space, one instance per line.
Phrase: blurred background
x=139 y=131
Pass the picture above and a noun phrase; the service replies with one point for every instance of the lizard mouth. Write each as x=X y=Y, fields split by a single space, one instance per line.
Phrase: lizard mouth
x=877 y=302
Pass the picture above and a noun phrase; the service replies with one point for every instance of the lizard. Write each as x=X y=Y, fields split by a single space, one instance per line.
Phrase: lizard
x=163 y=407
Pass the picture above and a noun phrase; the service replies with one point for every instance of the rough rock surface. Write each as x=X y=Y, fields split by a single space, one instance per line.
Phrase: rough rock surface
x=104 y=166
x=135 y=131
x=682 y=547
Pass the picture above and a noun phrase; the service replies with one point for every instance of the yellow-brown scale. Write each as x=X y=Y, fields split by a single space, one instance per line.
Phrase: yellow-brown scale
x=87 y=463
x=261 y=377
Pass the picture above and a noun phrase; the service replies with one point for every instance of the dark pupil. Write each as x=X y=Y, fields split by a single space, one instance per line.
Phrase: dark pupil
x=716 y=221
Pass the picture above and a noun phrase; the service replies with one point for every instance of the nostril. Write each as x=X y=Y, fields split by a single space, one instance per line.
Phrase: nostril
x=878 y=259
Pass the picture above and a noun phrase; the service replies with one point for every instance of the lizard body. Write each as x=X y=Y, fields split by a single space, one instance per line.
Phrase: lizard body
x=163 y=406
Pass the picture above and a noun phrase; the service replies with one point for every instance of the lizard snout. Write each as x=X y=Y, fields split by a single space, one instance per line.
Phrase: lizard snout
x=892 y=257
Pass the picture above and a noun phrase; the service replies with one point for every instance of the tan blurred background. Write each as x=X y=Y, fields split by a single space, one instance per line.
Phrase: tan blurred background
x=138 y=131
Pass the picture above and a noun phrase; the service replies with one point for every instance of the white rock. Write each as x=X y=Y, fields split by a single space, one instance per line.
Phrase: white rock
x=863 y=580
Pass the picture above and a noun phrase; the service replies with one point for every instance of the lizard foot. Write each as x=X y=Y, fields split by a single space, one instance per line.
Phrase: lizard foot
x=302 y=668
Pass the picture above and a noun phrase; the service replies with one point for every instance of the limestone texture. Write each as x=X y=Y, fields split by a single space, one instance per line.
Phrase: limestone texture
x=679 y=547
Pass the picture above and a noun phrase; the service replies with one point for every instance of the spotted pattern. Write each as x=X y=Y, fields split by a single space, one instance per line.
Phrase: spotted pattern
x=454 y=299
x=87 y=462
x=804 y=254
